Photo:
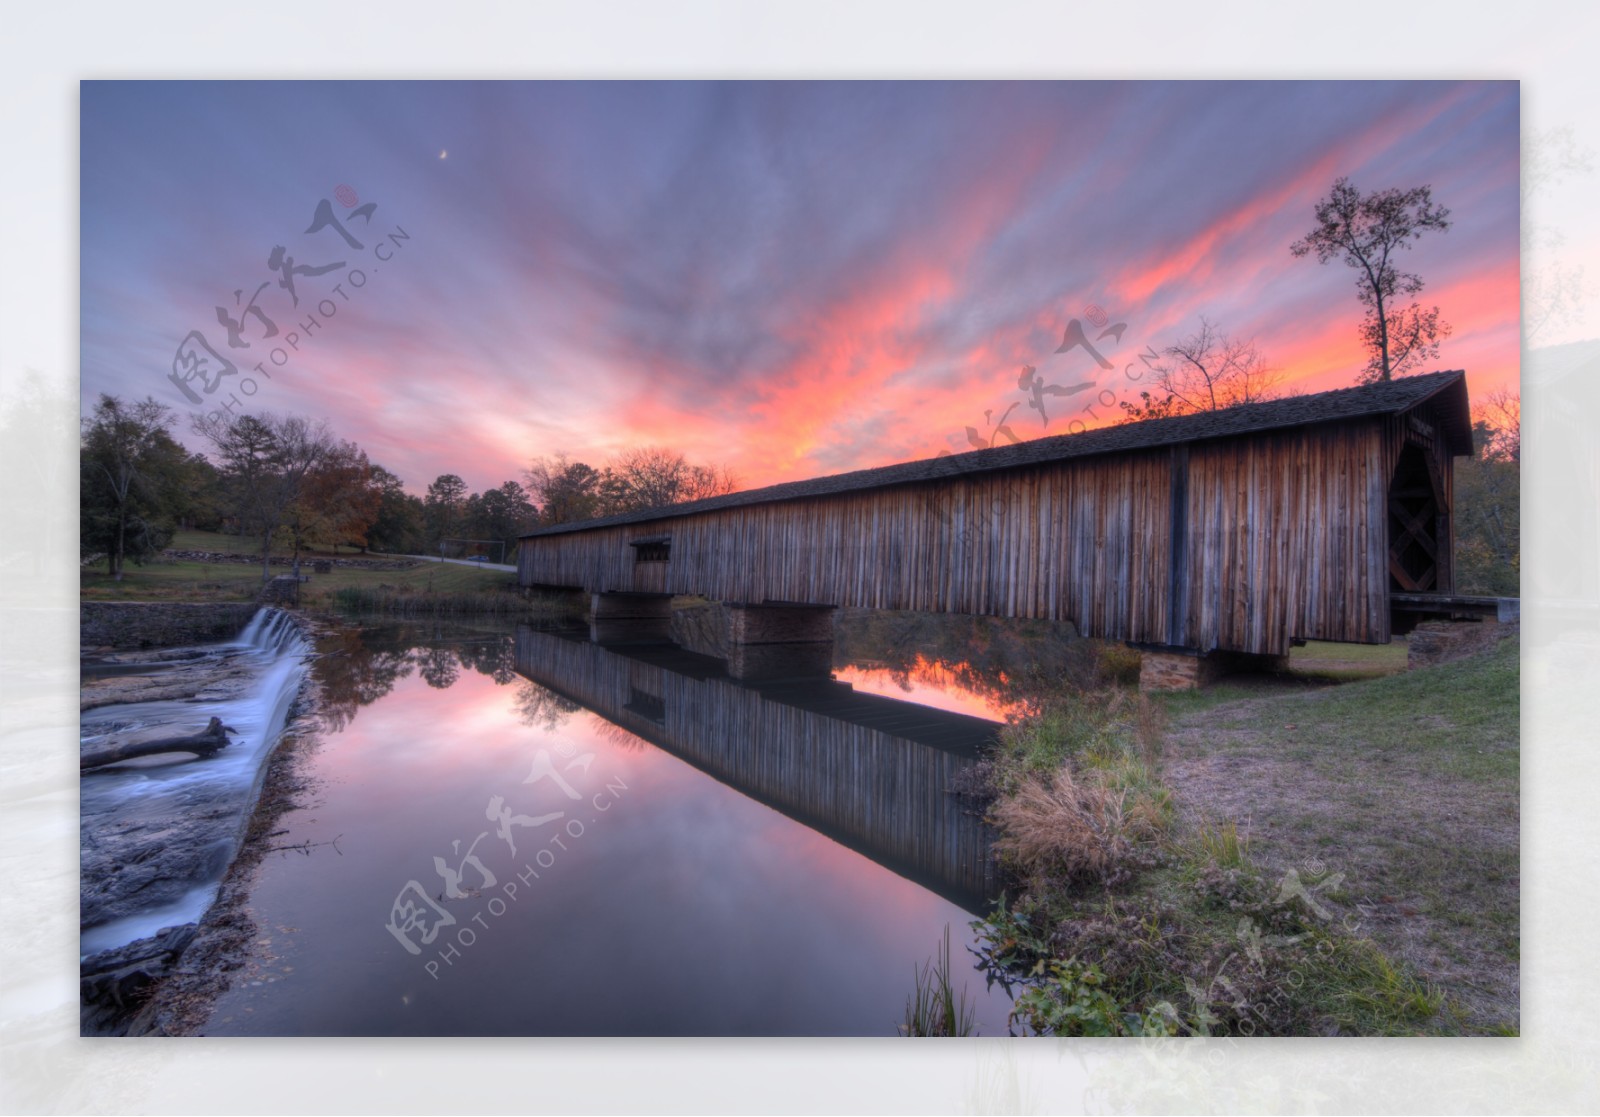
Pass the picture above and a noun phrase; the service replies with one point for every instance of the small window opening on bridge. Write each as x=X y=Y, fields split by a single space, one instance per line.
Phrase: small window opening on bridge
x=646 y=705
x=651 y=550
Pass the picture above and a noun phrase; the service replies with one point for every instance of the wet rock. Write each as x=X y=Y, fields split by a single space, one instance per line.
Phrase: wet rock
x=131 y=865
x=110 y=680
x=113 y=984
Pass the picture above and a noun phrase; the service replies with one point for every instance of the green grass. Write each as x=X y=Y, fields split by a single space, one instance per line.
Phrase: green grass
x=242 y=544
x=405 y=602
x=1347 y=662
x=176 y=581
x=1460 y=719
x=169 y=580
x=1221 y=844
x=1410 y=784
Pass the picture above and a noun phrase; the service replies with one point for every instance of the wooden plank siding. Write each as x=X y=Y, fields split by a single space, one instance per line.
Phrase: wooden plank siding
x=1283 y=536
x=1268 y=527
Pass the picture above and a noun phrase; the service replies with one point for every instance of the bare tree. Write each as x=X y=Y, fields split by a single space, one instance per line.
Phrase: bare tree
x=654 y=477
x=633 y=481
x=565 y=491
x=1366 y=231
x=1206 y=371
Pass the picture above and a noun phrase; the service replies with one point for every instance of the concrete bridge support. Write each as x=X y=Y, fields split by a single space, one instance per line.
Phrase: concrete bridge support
x=630 y=618
x=779 y=641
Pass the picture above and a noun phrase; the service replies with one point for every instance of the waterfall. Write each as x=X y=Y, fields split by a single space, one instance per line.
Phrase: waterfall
x=200 y=808
x=271 y=630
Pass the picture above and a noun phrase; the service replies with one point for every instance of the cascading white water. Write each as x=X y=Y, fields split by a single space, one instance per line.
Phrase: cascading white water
x=206 y=801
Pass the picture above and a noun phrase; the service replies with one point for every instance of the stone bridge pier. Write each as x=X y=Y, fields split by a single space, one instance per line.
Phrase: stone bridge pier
x=1166 y=668
x=779 y=640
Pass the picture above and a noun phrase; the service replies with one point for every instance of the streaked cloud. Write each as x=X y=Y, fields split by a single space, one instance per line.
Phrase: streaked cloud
x=792 y=278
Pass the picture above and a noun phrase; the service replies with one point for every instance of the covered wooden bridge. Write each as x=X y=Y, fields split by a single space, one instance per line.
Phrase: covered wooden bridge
x=1199 y=539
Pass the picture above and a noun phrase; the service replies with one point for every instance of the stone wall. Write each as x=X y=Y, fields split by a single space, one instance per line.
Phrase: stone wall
x=1181 y=670
x=701 y=626
x=113 y=625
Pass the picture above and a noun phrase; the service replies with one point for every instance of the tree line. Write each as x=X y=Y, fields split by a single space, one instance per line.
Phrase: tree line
x=288 y=482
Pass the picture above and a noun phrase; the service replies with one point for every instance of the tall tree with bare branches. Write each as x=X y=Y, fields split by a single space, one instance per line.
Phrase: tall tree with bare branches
x=1367 y=231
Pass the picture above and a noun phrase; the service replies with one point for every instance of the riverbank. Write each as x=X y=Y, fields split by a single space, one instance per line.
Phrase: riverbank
x=1265 y=858
x=211 y=567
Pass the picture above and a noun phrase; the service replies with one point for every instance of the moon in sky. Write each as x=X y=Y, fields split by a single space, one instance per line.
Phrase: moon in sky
x=443 y=153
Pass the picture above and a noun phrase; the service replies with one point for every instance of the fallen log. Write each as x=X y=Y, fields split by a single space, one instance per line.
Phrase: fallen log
x=205 y=743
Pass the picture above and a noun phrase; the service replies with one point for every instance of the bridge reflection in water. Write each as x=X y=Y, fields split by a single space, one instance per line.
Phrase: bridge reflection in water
x=872 y=773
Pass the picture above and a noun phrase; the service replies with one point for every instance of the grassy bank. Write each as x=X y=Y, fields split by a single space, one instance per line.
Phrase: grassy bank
x=427 y=588
x=1266 y=858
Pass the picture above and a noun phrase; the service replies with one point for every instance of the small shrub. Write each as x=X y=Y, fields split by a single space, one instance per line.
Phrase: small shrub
x=1230 y=890
x=1118 y=663
x=1131 y=942
x=1013 y=943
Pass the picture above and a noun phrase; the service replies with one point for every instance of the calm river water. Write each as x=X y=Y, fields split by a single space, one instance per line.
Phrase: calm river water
x=527 y=833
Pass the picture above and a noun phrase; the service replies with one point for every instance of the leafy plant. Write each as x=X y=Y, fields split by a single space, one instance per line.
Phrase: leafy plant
x=1013 y=944
x=1074 y=1001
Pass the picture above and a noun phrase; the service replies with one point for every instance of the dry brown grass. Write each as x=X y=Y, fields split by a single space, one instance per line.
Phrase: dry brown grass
x=1061 y=825
x=1150 y=727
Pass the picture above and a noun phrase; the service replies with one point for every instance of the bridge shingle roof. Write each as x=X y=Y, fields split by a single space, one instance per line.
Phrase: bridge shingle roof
x=1389 y=398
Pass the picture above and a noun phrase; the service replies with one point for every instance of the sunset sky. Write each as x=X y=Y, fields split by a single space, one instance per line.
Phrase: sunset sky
x=792 y=279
